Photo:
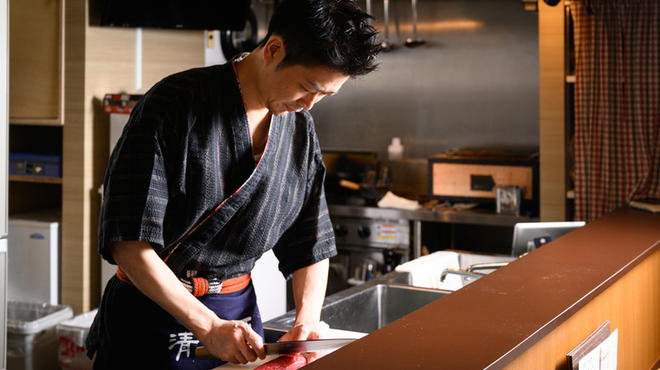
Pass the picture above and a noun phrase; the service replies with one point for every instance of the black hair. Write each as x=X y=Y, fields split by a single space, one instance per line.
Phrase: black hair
x=335 y=34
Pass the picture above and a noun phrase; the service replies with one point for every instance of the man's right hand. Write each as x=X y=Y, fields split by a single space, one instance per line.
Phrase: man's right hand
x=234 y=342
x=231 y=341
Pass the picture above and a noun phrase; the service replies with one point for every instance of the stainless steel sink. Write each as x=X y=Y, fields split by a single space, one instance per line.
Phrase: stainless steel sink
x=367 y=307
x=377 y=306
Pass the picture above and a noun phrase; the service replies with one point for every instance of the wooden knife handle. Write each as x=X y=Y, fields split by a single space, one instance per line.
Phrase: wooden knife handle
x=349 y=184
x=202 y=353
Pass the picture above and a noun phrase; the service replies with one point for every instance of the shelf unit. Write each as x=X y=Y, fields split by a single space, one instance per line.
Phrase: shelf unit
x=35 y=98
x=35 y=179
x=29 y=193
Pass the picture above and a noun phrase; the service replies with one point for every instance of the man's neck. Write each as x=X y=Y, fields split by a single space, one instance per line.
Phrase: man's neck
x=257 y=113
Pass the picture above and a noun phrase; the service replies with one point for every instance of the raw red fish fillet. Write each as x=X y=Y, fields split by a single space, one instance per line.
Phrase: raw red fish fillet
x=285 y=362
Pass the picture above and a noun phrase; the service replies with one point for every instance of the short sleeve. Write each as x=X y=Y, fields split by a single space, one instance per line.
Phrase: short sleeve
x=311 y=238
x=136 y=184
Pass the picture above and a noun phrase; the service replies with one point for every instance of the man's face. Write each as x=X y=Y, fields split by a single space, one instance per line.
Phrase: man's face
x=293 y=88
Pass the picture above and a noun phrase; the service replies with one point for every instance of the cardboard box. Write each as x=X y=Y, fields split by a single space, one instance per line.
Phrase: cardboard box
x=474 y=176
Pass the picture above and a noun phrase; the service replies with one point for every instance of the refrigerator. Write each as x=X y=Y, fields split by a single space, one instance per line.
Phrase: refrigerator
x=4 y=118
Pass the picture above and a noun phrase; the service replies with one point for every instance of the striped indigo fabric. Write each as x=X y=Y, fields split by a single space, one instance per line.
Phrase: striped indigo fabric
x=182 y=177
x=617 y=103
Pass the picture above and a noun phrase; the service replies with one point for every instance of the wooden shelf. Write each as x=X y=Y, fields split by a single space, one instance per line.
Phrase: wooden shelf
x=36 y=121
x=36 y=179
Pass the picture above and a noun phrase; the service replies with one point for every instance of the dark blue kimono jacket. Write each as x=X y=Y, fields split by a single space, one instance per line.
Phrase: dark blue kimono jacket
x=182 y=177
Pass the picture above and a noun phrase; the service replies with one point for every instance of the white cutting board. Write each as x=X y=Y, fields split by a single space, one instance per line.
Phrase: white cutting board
x=330 y=334
x=251 y=365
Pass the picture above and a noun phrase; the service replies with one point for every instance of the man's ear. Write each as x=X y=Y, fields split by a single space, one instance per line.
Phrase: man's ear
x=274 y=50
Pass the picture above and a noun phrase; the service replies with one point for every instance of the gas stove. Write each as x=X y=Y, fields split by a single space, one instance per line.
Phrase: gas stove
x=367 y=248
x=371 y=233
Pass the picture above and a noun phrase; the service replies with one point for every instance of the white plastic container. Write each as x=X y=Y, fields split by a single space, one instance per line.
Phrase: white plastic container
x=31 y=340
x=72 y=334
x=395 y=149
x=33 y=257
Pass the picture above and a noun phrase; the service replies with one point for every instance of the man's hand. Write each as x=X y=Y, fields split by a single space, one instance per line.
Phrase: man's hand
x=309 y=284
x=234 y=342
x=305 y=332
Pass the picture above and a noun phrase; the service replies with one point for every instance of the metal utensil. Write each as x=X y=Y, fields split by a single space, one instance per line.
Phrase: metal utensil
x=298 y=346
x=386 y=45
x=415 y=41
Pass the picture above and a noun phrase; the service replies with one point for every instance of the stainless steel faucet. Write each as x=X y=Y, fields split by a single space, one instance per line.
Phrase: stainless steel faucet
x=470 y=272
x=486 y=266
x=467 y=274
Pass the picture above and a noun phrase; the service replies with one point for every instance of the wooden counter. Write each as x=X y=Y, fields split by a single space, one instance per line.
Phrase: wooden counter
x=531 y=313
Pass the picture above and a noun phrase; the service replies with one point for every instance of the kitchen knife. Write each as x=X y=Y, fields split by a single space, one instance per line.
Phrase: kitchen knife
x=298 y=346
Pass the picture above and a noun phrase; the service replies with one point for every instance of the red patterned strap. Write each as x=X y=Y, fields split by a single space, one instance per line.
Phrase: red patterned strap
x=200 y=285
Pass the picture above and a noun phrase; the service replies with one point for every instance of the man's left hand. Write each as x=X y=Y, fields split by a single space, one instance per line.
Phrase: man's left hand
x=305 y=332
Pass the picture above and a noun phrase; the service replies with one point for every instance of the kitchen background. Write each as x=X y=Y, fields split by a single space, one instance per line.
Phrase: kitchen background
x=472 y=84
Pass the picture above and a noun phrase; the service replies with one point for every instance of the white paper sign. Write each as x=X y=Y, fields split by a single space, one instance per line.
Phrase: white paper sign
x=602 y=357
x=591 y=361
x=608 y=351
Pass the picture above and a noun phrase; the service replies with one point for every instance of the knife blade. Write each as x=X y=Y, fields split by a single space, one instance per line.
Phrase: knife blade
x=300 y=346
x=297 y=346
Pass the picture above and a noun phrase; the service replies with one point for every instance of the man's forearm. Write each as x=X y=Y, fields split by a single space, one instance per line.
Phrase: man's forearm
x=309 y=285
x=232 y=341
x=152 y=276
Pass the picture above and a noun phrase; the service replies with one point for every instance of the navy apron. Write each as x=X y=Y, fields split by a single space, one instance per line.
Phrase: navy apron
x=136 y=333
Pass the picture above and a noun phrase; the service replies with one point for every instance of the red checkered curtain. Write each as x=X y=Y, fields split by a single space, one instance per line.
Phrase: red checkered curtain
x=617 y=103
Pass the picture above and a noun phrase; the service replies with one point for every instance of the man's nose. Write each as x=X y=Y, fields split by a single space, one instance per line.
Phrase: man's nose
x=308 y=101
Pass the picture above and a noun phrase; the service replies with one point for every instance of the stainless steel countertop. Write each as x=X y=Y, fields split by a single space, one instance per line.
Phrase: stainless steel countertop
x=475 y=216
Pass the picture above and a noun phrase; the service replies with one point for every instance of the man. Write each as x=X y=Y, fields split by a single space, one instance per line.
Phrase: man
x=216 y=166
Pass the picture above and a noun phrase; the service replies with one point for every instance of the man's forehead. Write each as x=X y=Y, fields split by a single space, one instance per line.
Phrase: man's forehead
x=323 y=90
x=324 y=80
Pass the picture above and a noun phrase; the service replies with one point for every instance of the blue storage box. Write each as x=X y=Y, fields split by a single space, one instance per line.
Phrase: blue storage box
x=42 y=165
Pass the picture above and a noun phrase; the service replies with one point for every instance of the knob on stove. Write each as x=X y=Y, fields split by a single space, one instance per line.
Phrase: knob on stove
x=364 y=232
x=340 y=230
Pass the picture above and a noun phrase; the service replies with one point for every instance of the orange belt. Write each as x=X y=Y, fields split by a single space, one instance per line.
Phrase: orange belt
x=200 y=285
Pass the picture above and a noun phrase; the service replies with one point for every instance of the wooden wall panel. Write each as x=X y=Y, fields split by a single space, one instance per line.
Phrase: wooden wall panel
x=75 y=252
x=170 y=51
x=35 y=82
x=552 y=113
